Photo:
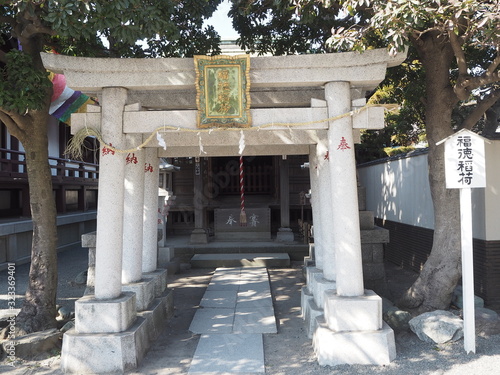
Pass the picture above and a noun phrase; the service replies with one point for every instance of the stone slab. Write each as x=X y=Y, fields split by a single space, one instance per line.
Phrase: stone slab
x=319 y=286
x=158 y=314
x=165 y=256
x=212 y=320
x=366 y=220
x=240 y=260
x=227 y=273
x=284 y=235
x=310 y=313
x=89 y=313
x=254 y=320
x=361 y=313
x=160 y=276
x=222 y=284
x=375 y=235
x=310 y=274
x=229 y=354
x=253 y=298
x=256 y=286
x=144 y=292
x=219 y=298
x=360 y=347
x=305 y=296
x=109 y=352
x=227 y=222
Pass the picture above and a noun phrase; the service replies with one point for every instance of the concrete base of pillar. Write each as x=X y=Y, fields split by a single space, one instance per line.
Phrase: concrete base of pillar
x=360 y=313
x=318 y=286
x=366 y=220
x=160 y=280
x=310 y=312
x=90 y=312
x=158 y=314
x=305 y=296
x=199 y=235
x=310 y=274
x=165 y=256
x=100 y=353
x=285 y=235
x=116 y=352
x=359 y=347
x=144 y=292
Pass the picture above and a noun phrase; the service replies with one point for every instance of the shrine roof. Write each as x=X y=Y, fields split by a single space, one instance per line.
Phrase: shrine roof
x=363 y=70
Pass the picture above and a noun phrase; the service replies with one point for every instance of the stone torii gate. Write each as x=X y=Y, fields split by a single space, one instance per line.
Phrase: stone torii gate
x=294 y=97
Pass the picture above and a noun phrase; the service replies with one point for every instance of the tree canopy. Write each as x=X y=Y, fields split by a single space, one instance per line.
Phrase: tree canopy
x=450 y=80
x=119 y=28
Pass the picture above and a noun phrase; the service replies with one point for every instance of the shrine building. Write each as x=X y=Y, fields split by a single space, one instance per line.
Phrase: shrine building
x=247 y=139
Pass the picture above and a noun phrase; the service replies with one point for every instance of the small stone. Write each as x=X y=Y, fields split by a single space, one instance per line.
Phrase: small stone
x=185 y=266
x=81 y=278
x=398 y=320
x=458 y=299
x=387 y=305
x=64 y=313
x=437 y=326
x=487 y=322
x=67 y=326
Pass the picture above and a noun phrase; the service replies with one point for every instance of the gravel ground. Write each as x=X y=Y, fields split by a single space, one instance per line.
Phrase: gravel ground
x=289 y=352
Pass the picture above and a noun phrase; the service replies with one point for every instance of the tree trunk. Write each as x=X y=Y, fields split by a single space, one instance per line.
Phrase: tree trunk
x=39 y=309
x=434 y=287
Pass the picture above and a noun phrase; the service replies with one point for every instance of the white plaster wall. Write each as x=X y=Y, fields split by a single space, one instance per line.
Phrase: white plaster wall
x=53 y=134
x=492 y=192
x=398 y=190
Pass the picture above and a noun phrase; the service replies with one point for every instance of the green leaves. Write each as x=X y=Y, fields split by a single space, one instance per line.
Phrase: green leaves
x=22 y=88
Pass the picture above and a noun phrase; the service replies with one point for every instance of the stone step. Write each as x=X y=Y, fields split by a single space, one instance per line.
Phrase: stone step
x=228 y=354
x=240 y=260
x=296 y=251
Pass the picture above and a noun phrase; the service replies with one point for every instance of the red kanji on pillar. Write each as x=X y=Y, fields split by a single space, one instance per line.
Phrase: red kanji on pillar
x=343 y=145
x=131 y=158
x=106 y=150
x=148 y=168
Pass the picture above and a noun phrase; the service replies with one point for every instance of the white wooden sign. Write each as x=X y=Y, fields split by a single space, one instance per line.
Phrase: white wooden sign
x=464 y=170
x=464 y=160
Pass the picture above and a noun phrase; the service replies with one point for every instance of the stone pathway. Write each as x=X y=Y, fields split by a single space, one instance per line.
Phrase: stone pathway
x=236 y=309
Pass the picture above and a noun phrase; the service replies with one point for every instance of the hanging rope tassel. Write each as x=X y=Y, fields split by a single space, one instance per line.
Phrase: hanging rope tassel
x=243 y=215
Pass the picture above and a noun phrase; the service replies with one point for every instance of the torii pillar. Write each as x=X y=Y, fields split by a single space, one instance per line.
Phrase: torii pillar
x=351 y=331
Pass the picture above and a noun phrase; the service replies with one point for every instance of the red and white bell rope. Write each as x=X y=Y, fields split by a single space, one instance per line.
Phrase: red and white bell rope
x=243 y=215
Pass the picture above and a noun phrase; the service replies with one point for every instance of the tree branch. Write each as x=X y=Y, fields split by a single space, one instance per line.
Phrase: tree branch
x=494 y=64
x=31 y=30
x=6 y=19
x=480 y=110
x=456 y=45
x=12 y=125
x=484 y=79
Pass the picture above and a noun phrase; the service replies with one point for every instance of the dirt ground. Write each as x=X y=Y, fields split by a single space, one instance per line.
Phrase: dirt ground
x=289 y=352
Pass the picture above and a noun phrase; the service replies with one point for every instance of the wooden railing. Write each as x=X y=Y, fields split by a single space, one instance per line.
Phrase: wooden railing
x=13 y=165
x=258 y=180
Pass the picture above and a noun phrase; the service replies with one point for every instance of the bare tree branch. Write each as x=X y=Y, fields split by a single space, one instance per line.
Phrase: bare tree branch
x=481 y=107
